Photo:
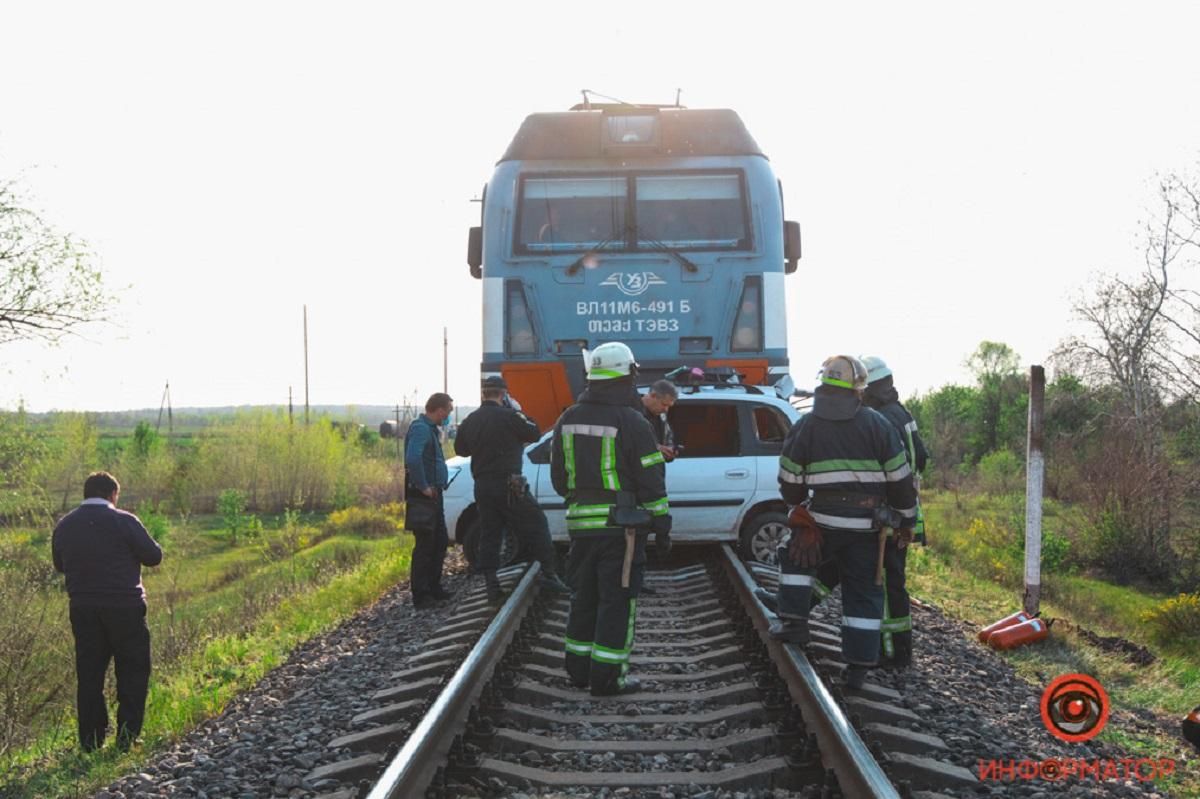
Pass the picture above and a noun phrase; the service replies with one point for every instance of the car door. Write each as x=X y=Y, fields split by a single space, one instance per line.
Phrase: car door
x=537 y=471
x=769 y=426
x=709 y=482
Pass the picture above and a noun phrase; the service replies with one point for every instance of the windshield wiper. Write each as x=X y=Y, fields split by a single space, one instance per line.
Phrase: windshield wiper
x=578 y=263
x=663 y=247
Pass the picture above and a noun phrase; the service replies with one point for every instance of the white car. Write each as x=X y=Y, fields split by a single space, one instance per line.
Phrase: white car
x=722 y=487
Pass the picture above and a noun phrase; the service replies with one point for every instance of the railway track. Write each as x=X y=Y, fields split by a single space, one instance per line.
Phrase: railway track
x=486 y=710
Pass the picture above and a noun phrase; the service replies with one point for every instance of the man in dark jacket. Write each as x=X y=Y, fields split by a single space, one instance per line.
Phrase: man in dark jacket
x=101 y=550
x=659 y=399
x=846 y=475
x=426 y=477
x=494 y=438
x=896 y=638
x=605 y=462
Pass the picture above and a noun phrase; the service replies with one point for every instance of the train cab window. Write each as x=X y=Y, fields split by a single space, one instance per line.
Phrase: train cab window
x=572 y=213
x=770 y=426
x=701 y=211
x=705 y=430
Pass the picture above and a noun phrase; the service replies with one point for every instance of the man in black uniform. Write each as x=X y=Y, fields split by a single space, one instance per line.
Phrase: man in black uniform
x=881 y=394
x=605 y=463
x=846 y=475
x=494 y=437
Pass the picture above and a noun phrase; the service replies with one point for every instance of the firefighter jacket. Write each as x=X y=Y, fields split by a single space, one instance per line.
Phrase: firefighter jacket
x=882 y=396
x=494 y=438
x=852 y=461
x=603 y=445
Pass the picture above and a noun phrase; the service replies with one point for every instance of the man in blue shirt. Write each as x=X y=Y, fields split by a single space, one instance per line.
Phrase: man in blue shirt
x=101 y=550
x=425 y=479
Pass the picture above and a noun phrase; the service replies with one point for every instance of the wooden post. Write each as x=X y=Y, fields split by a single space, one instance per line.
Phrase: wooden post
x=1035 y=474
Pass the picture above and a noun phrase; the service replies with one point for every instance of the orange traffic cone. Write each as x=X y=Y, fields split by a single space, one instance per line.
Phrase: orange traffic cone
x=1027 y=632
x=1007 y=621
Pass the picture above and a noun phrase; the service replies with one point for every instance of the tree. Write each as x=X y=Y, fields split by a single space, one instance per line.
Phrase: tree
x=997 y=370
x=48 y=286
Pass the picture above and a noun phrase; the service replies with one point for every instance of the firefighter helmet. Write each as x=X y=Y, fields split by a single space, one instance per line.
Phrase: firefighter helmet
x=609 y=361
x=876 y=368
x=844 y=371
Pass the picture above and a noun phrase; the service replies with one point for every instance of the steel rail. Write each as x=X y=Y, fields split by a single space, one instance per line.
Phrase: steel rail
x=415 y=765
x=841 y=749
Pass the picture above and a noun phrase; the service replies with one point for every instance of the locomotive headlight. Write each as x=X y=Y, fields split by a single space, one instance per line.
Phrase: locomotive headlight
x=747 y=325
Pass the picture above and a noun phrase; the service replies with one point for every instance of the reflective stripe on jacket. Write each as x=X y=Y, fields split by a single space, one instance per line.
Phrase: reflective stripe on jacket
x=602 y=445
x=845 y=449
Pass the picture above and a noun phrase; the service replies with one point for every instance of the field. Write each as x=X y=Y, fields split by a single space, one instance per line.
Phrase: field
x=221 y=615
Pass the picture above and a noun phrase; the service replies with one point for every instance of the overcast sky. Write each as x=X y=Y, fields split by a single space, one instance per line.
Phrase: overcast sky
x=958 y=172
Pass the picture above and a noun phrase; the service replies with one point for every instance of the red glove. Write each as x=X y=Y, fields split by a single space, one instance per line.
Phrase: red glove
x=805 y=547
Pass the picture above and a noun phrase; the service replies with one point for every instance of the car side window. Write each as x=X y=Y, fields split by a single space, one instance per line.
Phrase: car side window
x=770 y=425
x=705 y=430
x=541 y=453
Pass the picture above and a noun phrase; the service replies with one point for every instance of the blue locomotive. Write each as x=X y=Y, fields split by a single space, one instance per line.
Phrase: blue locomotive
x=659 y=226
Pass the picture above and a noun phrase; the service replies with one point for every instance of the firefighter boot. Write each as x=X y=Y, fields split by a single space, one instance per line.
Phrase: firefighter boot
x=632 y=685
x=792 y=631
x=855 y=677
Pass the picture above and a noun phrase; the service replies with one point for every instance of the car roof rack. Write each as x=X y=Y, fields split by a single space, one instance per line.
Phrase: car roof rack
x=694 y=378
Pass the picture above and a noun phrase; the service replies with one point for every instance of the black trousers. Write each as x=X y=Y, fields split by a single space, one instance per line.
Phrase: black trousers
x=854 y=554
x=896 y=627
x=429 y=555
x=101 y=635
x=599 y=636
x=500 y=510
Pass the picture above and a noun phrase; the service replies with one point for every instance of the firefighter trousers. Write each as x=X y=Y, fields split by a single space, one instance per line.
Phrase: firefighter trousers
x=895 y=638
x=600 y=625
x=854 y=554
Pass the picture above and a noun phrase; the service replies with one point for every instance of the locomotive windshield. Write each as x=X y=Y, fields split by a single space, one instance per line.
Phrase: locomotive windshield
x=697 y=211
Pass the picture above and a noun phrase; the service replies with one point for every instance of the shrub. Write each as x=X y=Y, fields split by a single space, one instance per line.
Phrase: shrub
x=369 y=522
x=232 y=505
x=156 y=524
x=1175 y=619
x=1000 y=472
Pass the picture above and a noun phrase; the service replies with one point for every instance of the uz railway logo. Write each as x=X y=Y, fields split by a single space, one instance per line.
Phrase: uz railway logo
x=633 y=283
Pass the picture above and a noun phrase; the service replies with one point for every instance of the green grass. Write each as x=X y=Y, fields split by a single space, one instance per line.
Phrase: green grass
x=946 y=574
x=235 y=631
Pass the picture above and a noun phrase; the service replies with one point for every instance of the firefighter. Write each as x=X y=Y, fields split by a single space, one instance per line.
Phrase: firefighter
x=494 y=437
x=845 y=475
x=896 y=637
x=606 y=464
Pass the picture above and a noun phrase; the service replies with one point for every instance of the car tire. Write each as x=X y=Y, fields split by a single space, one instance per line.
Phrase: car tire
x=762 y=535
x=509 y=548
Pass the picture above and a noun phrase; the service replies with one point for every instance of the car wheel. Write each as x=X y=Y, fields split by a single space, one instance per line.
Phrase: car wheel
x=509 y=548
x=762 y=535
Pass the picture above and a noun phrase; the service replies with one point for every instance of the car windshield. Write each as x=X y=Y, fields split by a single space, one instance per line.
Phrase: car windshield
x=686 y=211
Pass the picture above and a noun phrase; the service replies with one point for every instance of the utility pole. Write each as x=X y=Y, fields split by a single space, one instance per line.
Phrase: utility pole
x=306 y=365
x=290 y=405
x=445 y=362
x=1035 y=472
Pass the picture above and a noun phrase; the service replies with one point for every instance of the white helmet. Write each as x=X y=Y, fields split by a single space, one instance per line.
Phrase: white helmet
x=876 y=368
x=609 y=361
x=844 y=371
